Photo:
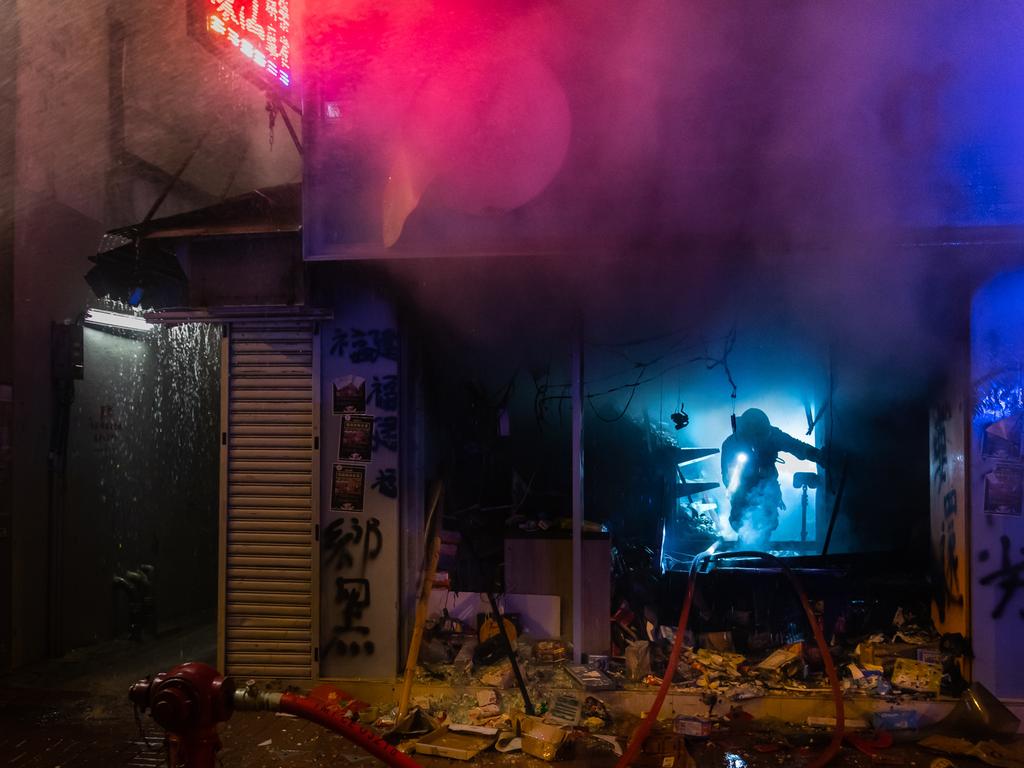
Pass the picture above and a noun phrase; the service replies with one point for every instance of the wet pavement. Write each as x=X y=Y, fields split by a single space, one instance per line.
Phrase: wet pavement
x=74 y=713
x=60 y=729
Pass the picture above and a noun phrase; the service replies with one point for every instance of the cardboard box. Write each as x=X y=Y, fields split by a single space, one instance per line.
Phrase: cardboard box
x=918 y=676
x=541 y=739
x=459 y=745
x=693 y=726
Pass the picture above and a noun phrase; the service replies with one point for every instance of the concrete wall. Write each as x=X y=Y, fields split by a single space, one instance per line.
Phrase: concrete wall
x=8 y=85
x=108 y=100
x=142 y=485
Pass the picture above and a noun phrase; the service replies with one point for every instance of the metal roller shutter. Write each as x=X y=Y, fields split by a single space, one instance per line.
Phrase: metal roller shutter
x=269 y=480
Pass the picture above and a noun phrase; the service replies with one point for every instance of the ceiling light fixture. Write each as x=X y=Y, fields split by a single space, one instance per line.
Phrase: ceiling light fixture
x=105 y=319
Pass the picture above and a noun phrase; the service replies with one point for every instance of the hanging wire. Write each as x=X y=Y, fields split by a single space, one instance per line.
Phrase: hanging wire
x=635 y=386
x=711 y=362
x=547 y=392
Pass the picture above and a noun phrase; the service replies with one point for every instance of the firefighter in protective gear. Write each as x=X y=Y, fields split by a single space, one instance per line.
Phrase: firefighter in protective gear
x=749 y=472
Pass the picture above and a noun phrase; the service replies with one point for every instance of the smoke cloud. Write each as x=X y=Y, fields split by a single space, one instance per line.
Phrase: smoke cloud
x=803 y=140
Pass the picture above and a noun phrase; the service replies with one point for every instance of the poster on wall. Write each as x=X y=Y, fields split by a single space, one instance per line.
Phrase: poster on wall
x=1001 y=439
x=347 y=486
x=1003 y=488
x=356 y=441
x=349 y=394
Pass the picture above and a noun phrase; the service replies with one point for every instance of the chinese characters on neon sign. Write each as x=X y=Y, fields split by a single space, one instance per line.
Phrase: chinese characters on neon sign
x=259 y=29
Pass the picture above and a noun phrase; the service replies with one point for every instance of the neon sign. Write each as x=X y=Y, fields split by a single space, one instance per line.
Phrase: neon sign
x=257 y=29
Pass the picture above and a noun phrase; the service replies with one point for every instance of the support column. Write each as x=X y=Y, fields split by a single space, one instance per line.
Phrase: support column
x=576 y=377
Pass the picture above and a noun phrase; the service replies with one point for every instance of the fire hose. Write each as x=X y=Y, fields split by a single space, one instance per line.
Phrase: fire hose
x=189 y=700
x=644 y=728
x=327 y=714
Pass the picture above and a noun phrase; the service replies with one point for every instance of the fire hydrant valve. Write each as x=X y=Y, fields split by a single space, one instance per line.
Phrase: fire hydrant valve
x=188 y=701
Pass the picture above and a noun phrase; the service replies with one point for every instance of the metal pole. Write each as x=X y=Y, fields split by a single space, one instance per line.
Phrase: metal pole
x=835 y=507
x=511 y=653
x=576 y=377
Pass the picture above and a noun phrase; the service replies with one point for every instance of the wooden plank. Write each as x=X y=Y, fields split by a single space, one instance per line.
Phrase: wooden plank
x=267 y=670
x=269 y=476
x=264 y=399
x=298 y=491
x=268 y=622
x=264 y=572
x=262 y=347
x=270 y=603
x=270 y=430
x=261 y=610
x=269 y=502
x=269 y=537
x=240 y=382
x=256 y=633
x=271 y=419
x=277 y=514
x=263 y=585
x=262 y=561
x=266 y=658
x=261 y=453
x=296 y=647
x=260 y=526
x=270 y=550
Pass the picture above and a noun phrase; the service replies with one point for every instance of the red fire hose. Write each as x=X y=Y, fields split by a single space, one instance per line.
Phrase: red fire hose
x=333 y=717
x=189 y=700
x=644 y=729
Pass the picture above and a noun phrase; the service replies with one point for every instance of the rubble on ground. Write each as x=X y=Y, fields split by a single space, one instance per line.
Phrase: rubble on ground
x=909 y=662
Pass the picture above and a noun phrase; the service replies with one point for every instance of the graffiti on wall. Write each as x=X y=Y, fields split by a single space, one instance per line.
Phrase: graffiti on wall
x=1008 y=578
x=946 y=514
x=365 y=346
x=359 y=547
x=349 y=637
x=351 y=546
x=106 y=427
x=347 y=532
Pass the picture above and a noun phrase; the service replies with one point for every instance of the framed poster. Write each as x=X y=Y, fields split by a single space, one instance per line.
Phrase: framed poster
x=1001 y=439
x=348 y=484
x=356 y=440
x=1003 y=488
x=349 y=394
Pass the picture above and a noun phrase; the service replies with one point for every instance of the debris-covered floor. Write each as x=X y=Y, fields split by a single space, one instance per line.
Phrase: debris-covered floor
x=51 y=729
x=74 y=713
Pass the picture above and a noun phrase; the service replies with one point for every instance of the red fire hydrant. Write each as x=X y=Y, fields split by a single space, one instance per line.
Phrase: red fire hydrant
x=188 y=701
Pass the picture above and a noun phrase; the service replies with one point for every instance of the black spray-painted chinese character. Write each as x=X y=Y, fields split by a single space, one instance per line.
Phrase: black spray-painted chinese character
x=385 y=433
x=339 y=342
x=337 y=541
x=1007 y=577
x=384 y=392
x=387 y=483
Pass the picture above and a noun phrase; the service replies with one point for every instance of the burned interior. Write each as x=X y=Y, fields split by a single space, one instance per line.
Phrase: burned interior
x=547 y=381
